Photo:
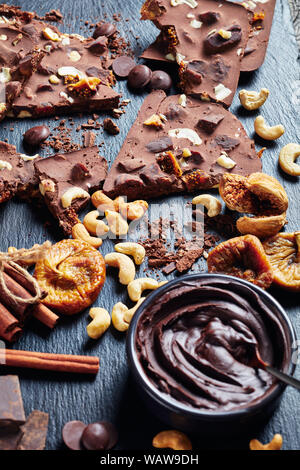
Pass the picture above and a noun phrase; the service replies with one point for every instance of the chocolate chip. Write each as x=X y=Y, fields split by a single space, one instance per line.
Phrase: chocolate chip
x=139 y=77
x=160 y=145
x=226 y=142
x=71 y=434
x=99 y=46
x=123 y=65
x=36 y=135
x=214 y=43
x=210 y=122
x=105 y=29
x=160 y=80
x=209 y=17
x=95 y=437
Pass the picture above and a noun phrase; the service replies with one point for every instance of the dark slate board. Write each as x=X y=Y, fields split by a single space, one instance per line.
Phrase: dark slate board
x=111 y=395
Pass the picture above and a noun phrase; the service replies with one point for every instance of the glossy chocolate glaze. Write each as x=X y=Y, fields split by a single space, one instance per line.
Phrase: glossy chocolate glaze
x=196 y=341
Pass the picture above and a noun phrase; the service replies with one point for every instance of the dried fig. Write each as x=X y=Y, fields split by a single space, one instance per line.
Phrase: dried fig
x=283 y=252
x=261 y=227
x=242 y=257
x=73 y=273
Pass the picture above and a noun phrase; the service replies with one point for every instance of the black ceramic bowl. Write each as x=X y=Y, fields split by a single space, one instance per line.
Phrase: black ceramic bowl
x=188 y=418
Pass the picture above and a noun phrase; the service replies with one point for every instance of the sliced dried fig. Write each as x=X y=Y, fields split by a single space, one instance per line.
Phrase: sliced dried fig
x=283 y=252
x=235 y=194
x=242 y=257
x=261 y=227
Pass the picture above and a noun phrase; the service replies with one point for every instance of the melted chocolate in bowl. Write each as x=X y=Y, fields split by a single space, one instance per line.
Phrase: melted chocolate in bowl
x=195 y=343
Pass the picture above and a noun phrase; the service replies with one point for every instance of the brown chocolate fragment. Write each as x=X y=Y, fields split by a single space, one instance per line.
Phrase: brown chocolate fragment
x=72 y=433
x=110 y=127
x=34 y=431
x=11 y=403
x=105 y=29
x=89 y=139
x=123 y=65
x=209 y=122
x=9 y=438
x=139 y=77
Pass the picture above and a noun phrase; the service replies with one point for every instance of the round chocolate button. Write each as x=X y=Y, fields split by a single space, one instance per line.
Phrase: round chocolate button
x=139 y=77
x=123 y=65
x=160 y=80
x=95 y=437
x=34 y=136
x=105 y=29
x=71 y=434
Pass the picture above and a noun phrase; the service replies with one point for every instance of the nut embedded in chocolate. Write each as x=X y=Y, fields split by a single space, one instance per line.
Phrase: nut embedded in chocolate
x=139 y=77
x=216 y=43
x=34 y=136
x=105 y=29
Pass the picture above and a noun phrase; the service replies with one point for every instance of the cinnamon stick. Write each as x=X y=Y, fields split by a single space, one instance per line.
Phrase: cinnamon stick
x=21 y=310
x=9 y=326
x=49 y=361
x=45 y=315
x=21 y=279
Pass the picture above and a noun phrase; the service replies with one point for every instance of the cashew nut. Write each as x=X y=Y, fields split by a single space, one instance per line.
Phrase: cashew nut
x=186 y=133
x=74 y=192
x=100 y=323
x=93 y=225
x=102 y=202
x=118 y=226
x=80 y=232
x=175 y=440
x=261 y=227
x=121 y=315
x=134 y=249
x=5 y=165
x=125 y=265
x=131 y=210
x=287 y=157
x=46 y=186
x=212 y=204
x=136 y=287
x=252 y=99
x=48 y=33
x=226 y=162
x=274 y=444
x=266 y=132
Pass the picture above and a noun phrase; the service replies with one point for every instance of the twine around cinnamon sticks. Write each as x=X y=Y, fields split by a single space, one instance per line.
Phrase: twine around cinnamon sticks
x=20 y=294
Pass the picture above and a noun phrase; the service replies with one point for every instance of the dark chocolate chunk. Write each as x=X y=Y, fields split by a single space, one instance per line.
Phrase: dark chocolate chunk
x=160 y=145
x=209 y=122
x=195 y=70
x=95 y=436
x=139 y=77
x=9 y=438
x=89 y=139
x=226 y=142
x=44 y=87
x=169 y=268
x=12 y=89
x=160 y=80
x=71 y=434
x=34 y=136
x=217 y=70
x=80 y=172
x=216 y=43
x=130 y=165
x=123 y=65
x=105 y=29
x=99 y=46
x=110 y=126
x=209 y=17
x=34 y=431
x=175 y=112
x=11 y=403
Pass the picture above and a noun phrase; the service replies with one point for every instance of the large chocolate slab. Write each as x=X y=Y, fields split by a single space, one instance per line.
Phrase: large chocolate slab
x=191 y=36
x=84 y=168
x=144 y=169
x=11 y=403
x=17 y=175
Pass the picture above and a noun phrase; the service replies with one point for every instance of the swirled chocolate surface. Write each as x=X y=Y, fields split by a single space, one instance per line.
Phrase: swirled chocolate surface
x=196 y=342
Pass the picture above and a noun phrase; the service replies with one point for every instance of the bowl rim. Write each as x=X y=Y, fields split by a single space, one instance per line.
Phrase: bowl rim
x=175 y=406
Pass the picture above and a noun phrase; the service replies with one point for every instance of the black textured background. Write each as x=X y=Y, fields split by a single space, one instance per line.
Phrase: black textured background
x=111 y=395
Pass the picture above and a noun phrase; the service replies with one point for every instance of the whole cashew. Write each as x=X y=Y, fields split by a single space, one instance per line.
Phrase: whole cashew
x=136 y=287
x=134 y=249
x=73 y=193
x=287 y=157
x=130 y=210
x=261 y=227
x=93 y=225
x=125 y=265
x=80 y=232
x=252 y=99
x=121 y=315
x=175 y=440
x=212 y=204
x=118 y=226
x=100 y=323
x=275 y=444
x=266 y=132
x=102 y=202
x=226 y=162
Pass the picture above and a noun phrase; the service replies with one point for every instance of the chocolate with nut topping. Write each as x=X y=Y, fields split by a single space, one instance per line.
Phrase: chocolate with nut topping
x=84 y=169
x=179 y=150
x=208 y=53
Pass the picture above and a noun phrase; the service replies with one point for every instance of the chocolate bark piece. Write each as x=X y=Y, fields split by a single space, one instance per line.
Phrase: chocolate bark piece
x=17 y=175
x=34 y=431
x=11 y=403
x=60 y=85
x=180 y=155
x=185 y=38
x=84 y=169
x=257 y=44
x=9 y=438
